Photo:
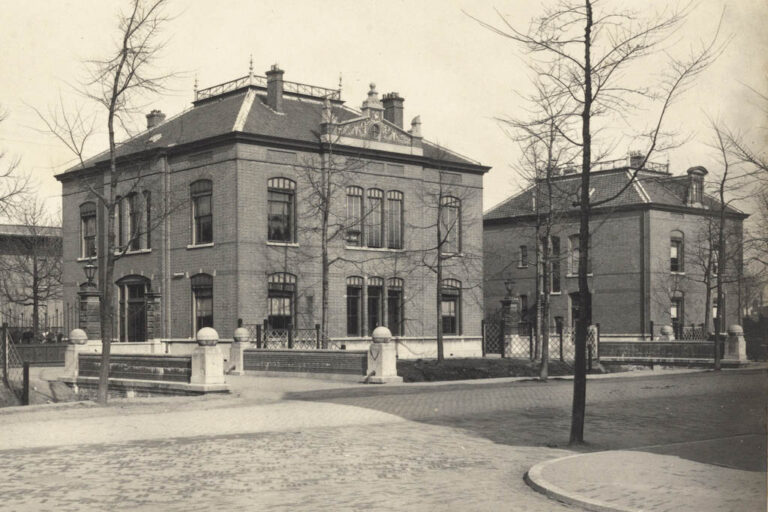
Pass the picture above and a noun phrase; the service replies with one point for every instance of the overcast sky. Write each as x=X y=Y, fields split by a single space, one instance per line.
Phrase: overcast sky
x=456 y=75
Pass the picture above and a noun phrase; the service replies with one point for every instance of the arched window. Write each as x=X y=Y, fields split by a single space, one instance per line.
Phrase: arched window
x=375 y=303
x=202 y=300
x=374 y=218
x=281 y=299
x=134 y=222
x=450 y=306
x=354 y=216
x=201 y=192
x=394 y=219
x=354 y=305
x=88 y=230
x=450 y=225
x=281 y=216
x=132 y=321
x=395 y=305
x=676 y=252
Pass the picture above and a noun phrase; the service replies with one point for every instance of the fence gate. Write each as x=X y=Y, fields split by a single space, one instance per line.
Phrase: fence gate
x=493 y=336
x=13 y=366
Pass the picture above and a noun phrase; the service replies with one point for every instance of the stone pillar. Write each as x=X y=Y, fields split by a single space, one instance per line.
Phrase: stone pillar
x=207 y=363
x=382 y=358
x=667 y=333
x=89 y=319
x=735 y=345
x=77 y=341
x=236 y=350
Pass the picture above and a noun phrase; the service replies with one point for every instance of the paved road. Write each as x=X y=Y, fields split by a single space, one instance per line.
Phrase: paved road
x=450 y=447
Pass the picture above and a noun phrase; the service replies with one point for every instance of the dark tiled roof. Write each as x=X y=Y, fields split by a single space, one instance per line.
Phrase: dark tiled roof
x=24 y=230
x=649 y=188
x=299 y=121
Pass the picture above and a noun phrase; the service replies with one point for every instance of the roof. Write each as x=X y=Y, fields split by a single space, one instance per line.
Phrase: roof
x=24 y=230
x=246 y=111
x=649 y=188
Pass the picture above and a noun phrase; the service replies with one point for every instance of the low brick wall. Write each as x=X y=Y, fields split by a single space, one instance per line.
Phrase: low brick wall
x=657 y=351
x=138 y=367
x=327 y=362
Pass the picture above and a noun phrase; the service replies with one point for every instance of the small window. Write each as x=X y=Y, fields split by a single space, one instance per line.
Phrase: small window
x=523 y=262
x=450 y=306
x=88 y=230
x=354 y=305
x=354 y=216
x=202 y=300
x=676 y=254
x=374 y=218
x=281 y=223
x=395 y=306
x=449 y=225
x=202 y=213
x=394 y=219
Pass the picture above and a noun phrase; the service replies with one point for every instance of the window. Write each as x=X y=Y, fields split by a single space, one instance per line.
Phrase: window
x=280 y=300
x=88 y=230
x=450 y=225
x=281 y=210
x=354 y=216
x=202 y=301
x=354 y=305
x=147 y=219
x=394 y=219
x=676 y=254
x=395 y=306
x=119 y=224
x=450 y=306
x=134 y=222
x=523 y=256
x=524 y=308
x=677 y=315
x=375 y=303
x=555 y=265
x=202 y=215
x=575 y=256
x=132 y=322
x=374 y=218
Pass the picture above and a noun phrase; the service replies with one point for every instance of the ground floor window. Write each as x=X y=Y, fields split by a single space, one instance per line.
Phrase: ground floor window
x=375 y=302
x=450 y=306
x=132 y=321
x=395 y=306
x=354 y=305
x=677 y=317
x=281 y=300
x=202 y=301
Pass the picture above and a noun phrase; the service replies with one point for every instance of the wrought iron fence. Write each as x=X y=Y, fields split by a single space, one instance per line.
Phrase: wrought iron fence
x=267 y=337
x=13 y=366
x=690 y=332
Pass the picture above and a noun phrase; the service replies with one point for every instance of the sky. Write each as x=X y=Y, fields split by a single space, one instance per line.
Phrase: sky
x=459 y=77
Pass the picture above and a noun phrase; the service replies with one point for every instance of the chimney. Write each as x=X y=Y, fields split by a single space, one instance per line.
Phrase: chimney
x=696 y=185
x=635 y=159
x=275 y=88
x=393 y=108
x=154 y=118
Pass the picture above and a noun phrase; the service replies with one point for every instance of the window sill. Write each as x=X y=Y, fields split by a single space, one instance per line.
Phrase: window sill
x=577 y=275
x=677 y=272
x=522 y=266
x=282 y=244
x=199 y=246
x=374 y=249
x=555 y=293
x=130 y=253
x=86 y=259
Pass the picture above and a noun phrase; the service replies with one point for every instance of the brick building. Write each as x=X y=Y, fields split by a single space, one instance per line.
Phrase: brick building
x=220 y=217
x=647 y=245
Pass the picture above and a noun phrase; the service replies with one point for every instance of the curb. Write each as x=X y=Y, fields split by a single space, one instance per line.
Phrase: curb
x=533 y=477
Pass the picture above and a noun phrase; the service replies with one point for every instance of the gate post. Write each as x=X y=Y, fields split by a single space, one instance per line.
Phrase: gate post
x=25 y=386
x=317 y=335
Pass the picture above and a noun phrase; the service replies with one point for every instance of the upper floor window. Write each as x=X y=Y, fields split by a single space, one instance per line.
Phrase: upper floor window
x=555 y=264
x=394 y=219
x=88 y=230
x=202 y=300
x=523 y=260
x=676 y=254
x=575 y=256
x=202 y=213
x=449 y=225
x=281 y=222
x=374 y=218
x=147 y=219
x=450 y=306
x=354 y=216
x=134 y=222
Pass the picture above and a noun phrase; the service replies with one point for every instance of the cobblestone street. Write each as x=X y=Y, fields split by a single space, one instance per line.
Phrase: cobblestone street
x=441 y=447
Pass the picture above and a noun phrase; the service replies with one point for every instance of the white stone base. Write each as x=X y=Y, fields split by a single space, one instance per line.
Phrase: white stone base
x=383 y=380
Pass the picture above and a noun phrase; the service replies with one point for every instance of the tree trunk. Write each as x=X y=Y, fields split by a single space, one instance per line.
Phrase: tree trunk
x=580 y=370
x=439 y=303
x=325 y=202
x=544 y=366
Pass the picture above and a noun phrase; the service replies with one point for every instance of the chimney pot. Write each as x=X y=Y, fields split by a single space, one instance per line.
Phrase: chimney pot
x=275 y=88
x=154 y=118
x=393 y=108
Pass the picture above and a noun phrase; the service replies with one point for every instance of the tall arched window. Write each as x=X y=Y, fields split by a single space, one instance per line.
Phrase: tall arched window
x=202 y=300
x=374 y=218
x=134 y=222
x=201 y=192
x=281 y=299
x=450 y=225
x=395 y=305
x=88 y=230
x=354 y=216
x=676 y=252
x=394 y=219
x=354 y=306
x=450 y=306
x=375 y=303
x=281 y=215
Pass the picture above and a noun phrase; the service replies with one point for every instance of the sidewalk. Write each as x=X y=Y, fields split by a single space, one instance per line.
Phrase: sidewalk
x=657 y=478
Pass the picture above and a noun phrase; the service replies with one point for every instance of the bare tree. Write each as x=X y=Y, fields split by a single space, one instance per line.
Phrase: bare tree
x=587 y=53
x=117 y=82
x=12 y=184
x=30 y=272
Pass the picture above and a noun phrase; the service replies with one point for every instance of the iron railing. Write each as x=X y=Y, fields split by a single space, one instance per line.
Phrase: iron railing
x=264 y=336
x=261 y=81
